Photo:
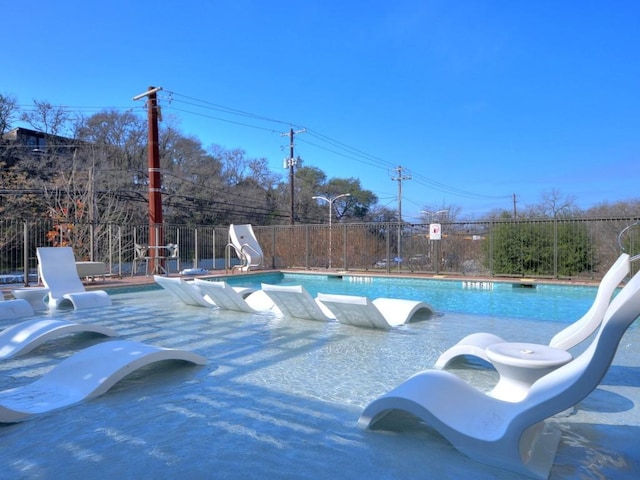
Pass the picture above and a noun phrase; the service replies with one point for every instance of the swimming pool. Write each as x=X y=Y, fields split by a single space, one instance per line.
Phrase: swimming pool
x=280 y=398
x=545 y=302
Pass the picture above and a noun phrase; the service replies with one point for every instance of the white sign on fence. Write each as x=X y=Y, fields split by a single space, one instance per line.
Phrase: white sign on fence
x=435 y=231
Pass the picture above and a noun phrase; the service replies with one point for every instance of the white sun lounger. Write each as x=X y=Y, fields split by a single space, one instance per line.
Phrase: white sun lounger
x=382 y=313
x=187 y=292
x=295 y=301
x=15 y=308
x=475 y=345
x=23 y=337
x=58 y=271
x=190 y=292
x=511 y=435
x=231 y=298
x=84 y=375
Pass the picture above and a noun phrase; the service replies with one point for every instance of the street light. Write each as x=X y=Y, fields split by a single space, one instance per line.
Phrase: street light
x=434 y=214
x=330 y=202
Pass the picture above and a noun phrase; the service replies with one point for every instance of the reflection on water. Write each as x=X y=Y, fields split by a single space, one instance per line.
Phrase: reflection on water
x=280 y=398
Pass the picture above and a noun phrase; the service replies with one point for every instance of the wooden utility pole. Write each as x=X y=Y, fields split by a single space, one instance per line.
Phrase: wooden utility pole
x=155 y=187
x=290 y=163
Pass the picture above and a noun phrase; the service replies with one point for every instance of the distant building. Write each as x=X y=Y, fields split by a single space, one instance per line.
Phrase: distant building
x=22 y=143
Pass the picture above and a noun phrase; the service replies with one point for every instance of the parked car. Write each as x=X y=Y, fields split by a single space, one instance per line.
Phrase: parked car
x=381 y=263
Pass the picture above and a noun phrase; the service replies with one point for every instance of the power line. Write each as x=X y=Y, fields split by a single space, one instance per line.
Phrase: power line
x=333 y=146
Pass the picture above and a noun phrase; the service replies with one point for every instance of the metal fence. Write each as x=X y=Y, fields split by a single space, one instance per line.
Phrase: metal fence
x=560 y=248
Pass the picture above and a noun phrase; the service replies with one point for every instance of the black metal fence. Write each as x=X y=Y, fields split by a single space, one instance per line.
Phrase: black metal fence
x=559 y=248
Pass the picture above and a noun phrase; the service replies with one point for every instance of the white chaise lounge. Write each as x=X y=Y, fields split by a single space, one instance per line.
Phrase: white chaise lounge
x=511 y=435
x=383 y=313
x=84 y=375
x=239 y=299
x=246 y=246
x=23 y=337
x=475 y=345
x=15 y=308
x=190 y=292
x=185 y=291
x=57 y=267
x=295 y=301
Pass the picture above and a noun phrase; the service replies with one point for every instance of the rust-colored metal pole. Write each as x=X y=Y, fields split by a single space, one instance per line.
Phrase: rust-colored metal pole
x=155 y=193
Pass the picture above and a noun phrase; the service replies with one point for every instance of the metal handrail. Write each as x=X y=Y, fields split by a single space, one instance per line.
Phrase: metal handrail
x=622 y=232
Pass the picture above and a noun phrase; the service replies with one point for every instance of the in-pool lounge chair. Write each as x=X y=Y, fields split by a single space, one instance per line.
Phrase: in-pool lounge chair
x=246 y=246
x=382 y=313
x=23 y=337
x=475 y=345
x=511 y=435
x=84 y=375
x=239 y=299
x=295 y=301
x=191 y=293
x=57 y=267
x=16 y=308
x=187 y=292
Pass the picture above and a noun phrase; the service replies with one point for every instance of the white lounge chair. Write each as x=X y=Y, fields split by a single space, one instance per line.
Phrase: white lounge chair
x=15 y=308
x=190 y=292
x=295 y=301
x=23 y=337
x=84 y=375
x=476 y=344
x=234 y=298
x=187 y=292
x=382 y=313
x=57 y=267
x=246 y=246
x=511 y=435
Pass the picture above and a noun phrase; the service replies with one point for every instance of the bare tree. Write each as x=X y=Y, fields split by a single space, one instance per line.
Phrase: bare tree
x=8 y=112
x=48 y=118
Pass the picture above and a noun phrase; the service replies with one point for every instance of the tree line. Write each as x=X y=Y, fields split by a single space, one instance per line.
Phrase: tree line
x=94 y=168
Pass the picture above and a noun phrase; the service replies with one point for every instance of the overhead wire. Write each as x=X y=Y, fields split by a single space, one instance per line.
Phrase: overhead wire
x=337 y=147
x=332 y=146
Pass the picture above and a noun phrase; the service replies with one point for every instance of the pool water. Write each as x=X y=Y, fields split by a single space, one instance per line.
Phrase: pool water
x=545 y=302
x=280 y=397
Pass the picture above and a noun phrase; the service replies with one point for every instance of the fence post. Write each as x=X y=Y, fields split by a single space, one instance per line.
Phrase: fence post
x=306 y=247
x=344 y=246
x=195 y=250
x=91 y=232
x=273 y=245
x=25 y=253
x=490 y=259
x=555 y=246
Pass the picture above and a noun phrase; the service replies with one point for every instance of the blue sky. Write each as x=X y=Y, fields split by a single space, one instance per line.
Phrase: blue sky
x=476 y=100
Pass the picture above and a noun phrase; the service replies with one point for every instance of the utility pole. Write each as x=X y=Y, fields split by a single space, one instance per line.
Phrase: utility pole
x=155 y=188
x=399 y=177
x=290 y=163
